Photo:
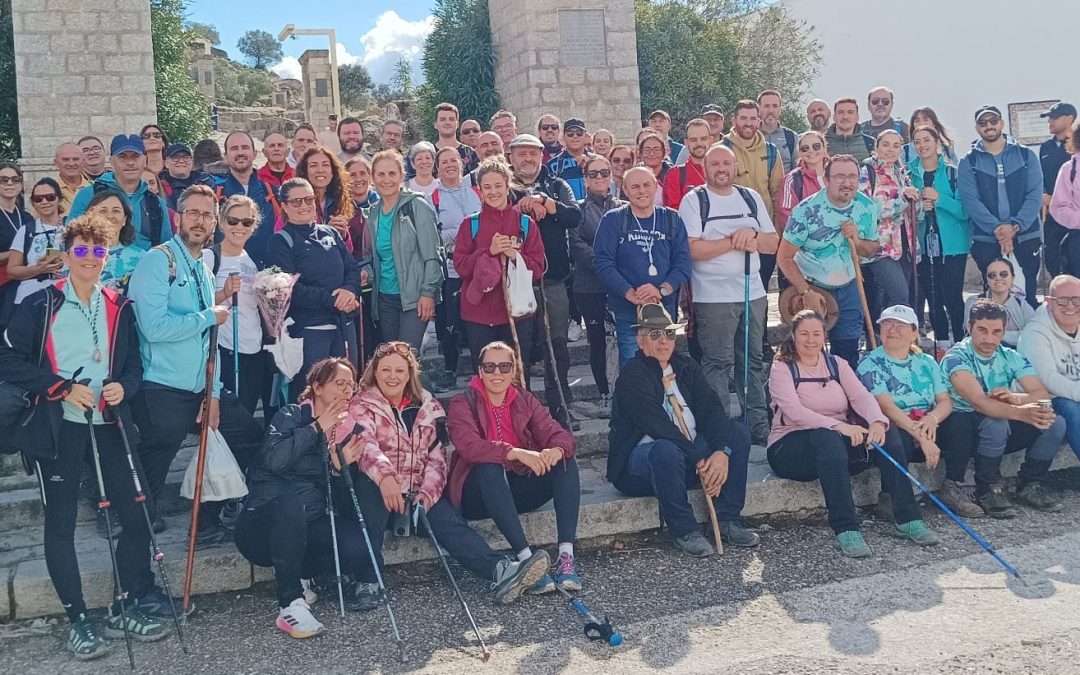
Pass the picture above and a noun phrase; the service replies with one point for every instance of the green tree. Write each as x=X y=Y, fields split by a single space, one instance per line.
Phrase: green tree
x=355 y=84
x=236 y=84
x=459 y=62
x=261 y=48
x=206 y=30
x=10 y=142
x=402 y=79
x=182 y=112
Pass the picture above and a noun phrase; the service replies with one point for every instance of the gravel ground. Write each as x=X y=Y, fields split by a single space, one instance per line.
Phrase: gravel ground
x=794 y=605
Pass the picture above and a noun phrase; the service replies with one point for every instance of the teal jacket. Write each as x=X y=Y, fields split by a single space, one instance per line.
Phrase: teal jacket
x=141 y=202
x=953 y=223
x=418 y=251
x=174 y=317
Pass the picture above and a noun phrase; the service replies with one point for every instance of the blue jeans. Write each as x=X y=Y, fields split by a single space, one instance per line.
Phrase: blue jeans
x=1070 y=411
x=844 y=336
x=626 y=317
x=663 y=470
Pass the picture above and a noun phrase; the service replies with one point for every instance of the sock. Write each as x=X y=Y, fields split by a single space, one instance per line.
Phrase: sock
x=566 y=548
x=524 y=554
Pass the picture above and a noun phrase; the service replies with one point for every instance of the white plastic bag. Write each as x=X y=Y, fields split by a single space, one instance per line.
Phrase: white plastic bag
x=519 y=288
x=288 y=352
x=222 y=477
x=1019 y=287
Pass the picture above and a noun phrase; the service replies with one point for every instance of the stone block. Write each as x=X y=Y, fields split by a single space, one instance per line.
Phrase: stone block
x=84 y=63
x=555 y=94
x=539 y=76
x=68 y=43
x=89 y=104
x=548 y=57
x=45 y=106
x=73 y=125
x=104 y=84
x=571 y=75
x=629 y=111
x=132 y=43
x=69 y=84
x=598 y=74
x=102 y=43
x=29 y=85
x=107 y=126
x=127 y=22
x=65 y=6
x=622 y=42
x=41 y=22
x=625 y=74
x=144 y=83
x=137 y=119
x=86 y=21
x=127 y=103
x=124 y=64
x=29 y=43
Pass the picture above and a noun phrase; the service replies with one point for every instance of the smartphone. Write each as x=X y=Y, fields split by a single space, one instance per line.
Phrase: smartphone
x=51 y=253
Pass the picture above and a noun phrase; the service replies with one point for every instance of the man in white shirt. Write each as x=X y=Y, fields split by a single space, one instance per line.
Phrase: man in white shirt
x=728 y=227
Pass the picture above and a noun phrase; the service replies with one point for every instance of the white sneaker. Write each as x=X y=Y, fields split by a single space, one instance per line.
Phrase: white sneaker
x=310 y=596
x=297 y=621
x=575 y=333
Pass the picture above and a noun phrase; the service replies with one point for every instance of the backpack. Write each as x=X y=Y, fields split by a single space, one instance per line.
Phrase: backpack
x=703 y=204
x=152 y=219
x=624 y=222
x=474 y=226
x=790 y=141
x=771 y=154
x=830 y=363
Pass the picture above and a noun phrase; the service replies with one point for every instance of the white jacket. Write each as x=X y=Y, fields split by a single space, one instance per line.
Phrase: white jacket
x=1054 y=354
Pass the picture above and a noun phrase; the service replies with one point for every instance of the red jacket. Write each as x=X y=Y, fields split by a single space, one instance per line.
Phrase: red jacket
x=475 y=264
x=271 y=179
x=674 y=186
x=533 y=425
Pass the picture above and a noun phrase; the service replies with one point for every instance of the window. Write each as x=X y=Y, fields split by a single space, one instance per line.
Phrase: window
x=279 y=99
x=208 y=77
x=322 y=88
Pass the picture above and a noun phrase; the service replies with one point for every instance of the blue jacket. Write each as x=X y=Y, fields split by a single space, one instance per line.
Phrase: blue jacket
x=264 y=196
x=174 y=317
x=1023 y=184
x=621 y=257
x=141 y=201
x=318 y=254
x=563 y=165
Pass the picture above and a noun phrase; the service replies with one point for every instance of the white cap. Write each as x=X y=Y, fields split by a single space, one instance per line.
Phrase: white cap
x=899 y=313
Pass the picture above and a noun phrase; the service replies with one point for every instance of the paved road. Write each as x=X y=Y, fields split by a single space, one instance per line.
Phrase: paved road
x=792 y=606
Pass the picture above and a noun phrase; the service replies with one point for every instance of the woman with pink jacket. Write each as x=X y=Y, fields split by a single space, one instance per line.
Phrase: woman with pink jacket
x=403 y=468
x=823 y=422
x=1065 y=204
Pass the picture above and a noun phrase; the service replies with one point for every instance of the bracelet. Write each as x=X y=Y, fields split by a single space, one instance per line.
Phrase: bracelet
x=931 y=414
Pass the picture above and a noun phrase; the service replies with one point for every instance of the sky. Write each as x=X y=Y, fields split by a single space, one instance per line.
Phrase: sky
x=375 y=33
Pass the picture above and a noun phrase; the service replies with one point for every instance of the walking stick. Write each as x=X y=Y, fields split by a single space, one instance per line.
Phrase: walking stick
x=333 y=528
x=513 y=326
x=362 y=356
x=200 y=466
x=236 y=339
x=746 y=336
x=595 y=629
x=862 y=294
x=554 y=365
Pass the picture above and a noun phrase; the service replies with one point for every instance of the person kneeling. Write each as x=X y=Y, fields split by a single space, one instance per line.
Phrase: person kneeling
x=822 y=416
x=512 y=457
x=667 y=425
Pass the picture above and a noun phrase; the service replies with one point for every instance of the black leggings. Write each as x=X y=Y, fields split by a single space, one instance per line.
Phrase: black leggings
x=945 y=295
x=478 y=335
x=593 y=307
x=492 y=492
x=256 y=379
x=448 y=323
x=59 y=480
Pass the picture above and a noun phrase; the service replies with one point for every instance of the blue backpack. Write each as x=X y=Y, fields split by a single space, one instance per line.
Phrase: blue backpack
x=474 y=222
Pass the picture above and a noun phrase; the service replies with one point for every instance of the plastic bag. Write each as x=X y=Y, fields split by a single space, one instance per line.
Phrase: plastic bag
x=1019 y=287
x=519 y=288
x=222 y=477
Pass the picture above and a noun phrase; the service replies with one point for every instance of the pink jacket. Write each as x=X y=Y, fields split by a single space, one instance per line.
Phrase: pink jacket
x=416 y=460
x=813 y=406
x=1065 y=204
x=789 y=195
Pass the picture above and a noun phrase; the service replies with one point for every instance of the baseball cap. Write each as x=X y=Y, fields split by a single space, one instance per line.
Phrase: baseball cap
x=711 y=109
x=654 y=317
x=122 y=143
x=526 y=141
x=987 y=109
x=177 y=149
x=660 y=113
x=573 y=123
x=899 y=313
x=1060 y=109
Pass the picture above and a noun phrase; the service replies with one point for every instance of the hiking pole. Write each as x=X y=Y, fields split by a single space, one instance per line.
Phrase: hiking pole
x=862 y=294
x=140 y=498
x=746 y=338
x=236 y=339
x=595 y=629
x=119 y=595
x=362 y=356
x=522 y=375
x=347 y=474
x=964 y=526
x=553 y=363
x=333 y=528
x=200 y=466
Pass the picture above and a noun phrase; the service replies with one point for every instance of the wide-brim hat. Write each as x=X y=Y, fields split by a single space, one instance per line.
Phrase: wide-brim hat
x=791 y=303
x=653 y=316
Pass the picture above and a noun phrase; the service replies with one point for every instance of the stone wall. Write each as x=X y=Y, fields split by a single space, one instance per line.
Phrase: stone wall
x=553 y=57
x=318 y=86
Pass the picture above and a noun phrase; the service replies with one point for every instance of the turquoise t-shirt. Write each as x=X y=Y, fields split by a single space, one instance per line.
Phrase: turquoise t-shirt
x=814 y=228
x=1003 y=369
x=73 y=346
x=121 y=263
x=388 y=279
x=913 y=383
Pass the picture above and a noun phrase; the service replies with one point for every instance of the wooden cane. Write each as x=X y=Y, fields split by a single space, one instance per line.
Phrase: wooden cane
x=200 y=466
x=715 y=524
x=520 y=379
x=862 y=294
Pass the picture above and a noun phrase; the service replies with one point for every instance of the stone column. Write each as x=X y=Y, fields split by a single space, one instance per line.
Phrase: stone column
x=82 y=67
x=569 y=58
x=318 y=87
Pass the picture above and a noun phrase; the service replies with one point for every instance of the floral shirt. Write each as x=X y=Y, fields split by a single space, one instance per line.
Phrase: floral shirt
x=118 y=268
x=815 y=229
x=1003 y=369
x=913 y=383
x=896 y=215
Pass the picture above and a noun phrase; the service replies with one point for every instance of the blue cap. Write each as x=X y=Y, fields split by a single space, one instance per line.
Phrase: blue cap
x=122 y=143
x=177 y=149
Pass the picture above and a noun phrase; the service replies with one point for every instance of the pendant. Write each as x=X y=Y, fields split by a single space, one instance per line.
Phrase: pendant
x=97 y=355
x=652 y=270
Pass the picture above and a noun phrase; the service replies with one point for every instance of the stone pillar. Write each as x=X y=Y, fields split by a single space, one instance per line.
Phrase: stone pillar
x=82 y=67
x=568 y=58
x=318 y=87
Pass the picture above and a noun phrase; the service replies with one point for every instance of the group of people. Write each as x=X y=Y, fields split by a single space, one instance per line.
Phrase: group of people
x=112 y=287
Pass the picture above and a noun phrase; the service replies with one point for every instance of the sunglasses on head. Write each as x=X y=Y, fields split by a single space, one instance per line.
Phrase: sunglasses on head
x=297 y=202
x=574 y=133
x=37 y=199
x=998 y=275
x=246 y=222
x=598 y=173
x=988 y=121
x=396 y=347
x=549 y=127
x=489 y=368
x=658 y=333
x=807 y=148
x=81 y=251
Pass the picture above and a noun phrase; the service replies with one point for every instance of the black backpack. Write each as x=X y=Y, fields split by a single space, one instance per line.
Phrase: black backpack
x=830 y=363
x=703 y=204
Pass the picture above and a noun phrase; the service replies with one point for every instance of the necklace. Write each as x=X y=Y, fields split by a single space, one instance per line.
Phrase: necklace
x=652 y=240
x=91 y=318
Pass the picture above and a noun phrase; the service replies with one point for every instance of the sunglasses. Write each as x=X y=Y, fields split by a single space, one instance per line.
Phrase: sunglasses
x=988 y=121
x=574 y=133
x=246 y=222
x=37 y=199
x=599 y=173
x=549 y=127
x=10 y=180
x=153 y=134
x=489 y=368
x=396 y=347
x=658 y=333
x=998 y=275
x=880 y=101
x=621 y=162
x=807 y=148
x=469 y=131
x=1065 y=302
x=297 y=202
x=81 y=251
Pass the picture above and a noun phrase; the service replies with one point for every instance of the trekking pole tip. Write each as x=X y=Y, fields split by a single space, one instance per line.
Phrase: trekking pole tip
x=486 y=656
x=615 y=640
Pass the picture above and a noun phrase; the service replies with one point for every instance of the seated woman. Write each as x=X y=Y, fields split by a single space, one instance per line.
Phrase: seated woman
x=285 y=523
x=512 y=457
x=1000 y=277
x=404 y=465
x=822 y=415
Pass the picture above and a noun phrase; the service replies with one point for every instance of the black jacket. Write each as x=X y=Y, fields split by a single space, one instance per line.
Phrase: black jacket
x=292 y=462
x=637 y=409
x=592 y=207
x=554 y=227
x=28 y=343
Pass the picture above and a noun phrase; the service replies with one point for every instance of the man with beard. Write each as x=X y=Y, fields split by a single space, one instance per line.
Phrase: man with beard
x=446 y=123
x=276 y=170
x=350 y=134
x=815 y=254
x=549 y=129
x=845 y=137
x=818 y=114
x=551 y=204
x=241 y=180
x=504 y=124
x=687 y=176
x=178 y=174
x=880 y=102
x=1001 y=187
x=173 y=293
x=775 y=133
x=711 y=113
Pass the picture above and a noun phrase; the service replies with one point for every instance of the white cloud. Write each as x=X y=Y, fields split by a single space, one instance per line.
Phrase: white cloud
x=288 y=68
x=392 y=38
x=344 y=58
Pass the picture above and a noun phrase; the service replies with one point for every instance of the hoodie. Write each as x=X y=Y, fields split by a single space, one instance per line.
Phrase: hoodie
x=269 y=211
x=1065 y=204
x=1053 y=353
x=1021 y=182
x=141 y=201
x=752 y=159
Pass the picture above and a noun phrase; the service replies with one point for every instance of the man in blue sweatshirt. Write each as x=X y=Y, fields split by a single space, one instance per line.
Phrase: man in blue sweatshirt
x=173 y=293
x=1001 y=187
x=242 y=180
x=642 y=255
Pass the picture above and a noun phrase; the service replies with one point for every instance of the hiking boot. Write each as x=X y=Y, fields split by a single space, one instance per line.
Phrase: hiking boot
x=852 y=544
x=996 y=503
x=544 y=585
x=140 y=625
x=362 y=596
x=560 y=415
x=1037 y=497
x=297 y=621
x=695 y=545
x=84 y=641
x=155 y=604
x=918 y=532
x=158 y=523
x=604 y=406
x=566 y=576
x=735 y=534
x=229 y=513
x=103 y=530
x=513 y=577
x=211 y=535
x=960 y=499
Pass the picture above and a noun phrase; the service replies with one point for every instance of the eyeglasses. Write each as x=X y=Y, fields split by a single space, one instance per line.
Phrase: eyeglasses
x=988 y=122
x=622 y=162
x=998 y=275
x=1065 y=301
x=844 y=178
x=205 y=216
x=489 y=368
x=651 y=151
x=153 y=134
x=599 y=173
x=246 y=222
x=807 y=148
x=658 y=333
x=344 y=385
x=469 y=131
x=574 y=133
x=504 y=127
x=180 y=158
x=297 y=202
x=37 y=199
x=880 y=101
x=81 y=251
x=549 y=127
x=396 y=347
x=10 y=180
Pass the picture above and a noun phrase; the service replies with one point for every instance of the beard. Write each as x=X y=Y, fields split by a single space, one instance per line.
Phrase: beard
x=352 y=148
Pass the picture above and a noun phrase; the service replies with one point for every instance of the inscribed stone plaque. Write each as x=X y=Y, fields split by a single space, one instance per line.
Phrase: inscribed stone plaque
x=582 y=39
x=1026 y=123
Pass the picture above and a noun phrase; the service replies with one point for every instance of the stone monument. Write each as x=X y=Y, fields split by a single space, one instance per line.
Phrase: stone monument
x=569 y=58
x=318 y=87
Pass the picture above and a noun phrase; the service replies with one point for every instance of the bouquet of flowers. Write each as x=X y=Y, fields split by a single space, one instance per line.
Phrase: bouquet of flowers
x=273 y=293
